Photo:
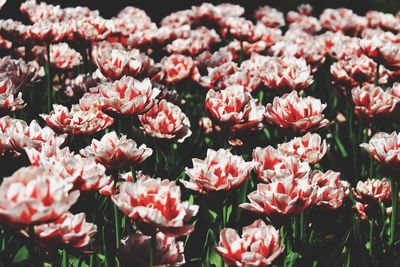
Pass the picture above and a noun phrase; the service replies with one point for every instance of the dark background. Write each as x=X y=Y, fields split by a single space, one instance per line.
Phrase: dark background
x=157 y=9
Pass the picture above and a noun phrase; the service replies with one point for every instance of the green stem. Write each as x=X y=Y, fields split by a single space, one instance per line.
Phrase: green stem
x=32 y=247
x=393 y=221
x=48 y=76
x=153 y=250
x=302 y=227
x=377 y=74
x=261 y=96
x=371 y=236
x=64 y=262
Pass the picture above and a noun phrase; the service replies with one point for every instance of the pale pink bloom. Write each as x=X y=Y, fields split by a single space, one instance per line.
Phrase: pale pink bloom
x=199 y=40
x=110 y=188
x=23 y=136
x=10 y=98
x=116 y=63
x=93 y=29
x=343 y=20
x=78 y=120
x=270 y=17
x=77 y=86
x=234 y=108
x=217 y=75
x=273 y=165
x=46 y=151
x=84 y=173
x=301 y=114
x=175 y=68
x=384 y=148
x=307 y=24
x=331 y=191
x=135 y=250
x=14 y=30
x=166 y=121
x=47 y=32
x=178 y=18
x=63 y=57
x=219 y=171
x=206 y=125
x=68 y=231
x=309 y=148
x=102 y=47
x=353 y=71
x=116 y=153
x=382 y=20
x=32 y=195
x=128 y=96
x=373 y=189
x=259 y=245
x=371 y=101
x=383 y=52
x=382 y=35
x=281 y=199
x=41 y=11
x=286 y=74
x=340 y=46
x=301 y=45
x=79 y=12
x=395 y=91
x=156 y=203
x=361 y=210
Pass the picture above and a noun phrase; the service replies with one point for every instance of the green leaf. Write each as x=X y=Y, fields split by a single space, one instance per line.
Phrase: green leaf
x=22 y=255
x=292 y=258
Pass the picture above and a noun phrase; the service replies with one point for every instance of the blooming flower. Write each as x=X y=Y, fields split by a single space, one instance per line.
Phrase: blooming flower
x=353 y=71
x=63 y=57
x=127 y=96
x=71 y=231
x=331 y=191
x=297 y=113
x=235 y=108
x=32 y=195
x=117 y=153
x=270 y=17
x=273 y=165
x=309 y=148
x=372 y=101
x=220 y=170
x=287 y=74
x=135 y=250
x=166 y=121
x=384 y=148
x=93 y=29
x=175 y=68
x=280 y=199
x=343 y=20
x=156 y=203
x=259 y=245
x=373 y=190
x=383 y=52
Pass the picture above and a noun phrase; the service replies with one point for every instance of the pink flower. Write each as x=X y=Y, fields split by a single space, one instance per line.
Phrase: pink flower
x=382 y=20
x=135 y=250
x=353 y=71
x=373 y=190
x=32 y=195
x=372 y=101
x=128 y=96
x=23 y=136
x=5 y=44
x=71 y=231
x=384 y=148
x=116 y=153
x=287 y=74
x=220 y=170
x=297 y=113
x=80 y=119
x=235 y=108
x=175 y=68
x=309 y=148
x=270 y=17
x=273 y=165
x=280 y=199
x=93 y=29
x=116 y=63
x=156 y=203
x=47 y=32
x=343 y=20
x=166 y=121
x=63 y=57
x=361 y=210
x=47 y=151
x=383 y=52
x=259 y=245
x=331 y=191
x=42 y=11
x=10 y=98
